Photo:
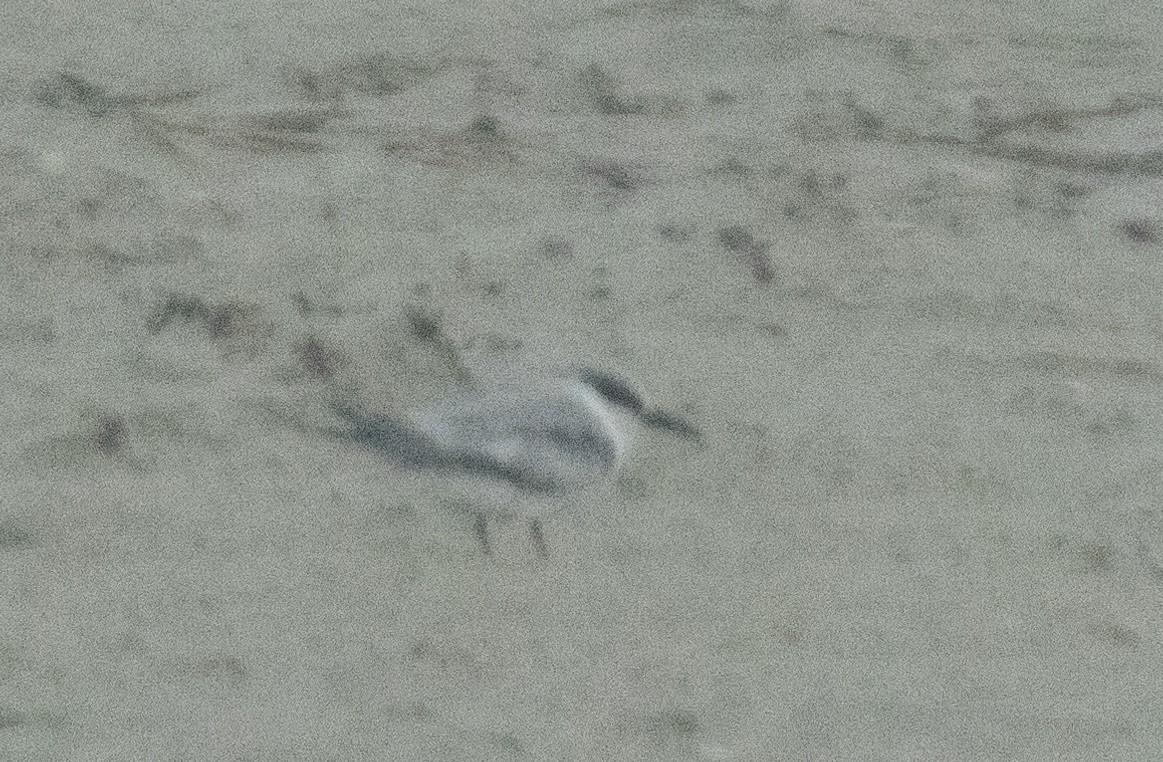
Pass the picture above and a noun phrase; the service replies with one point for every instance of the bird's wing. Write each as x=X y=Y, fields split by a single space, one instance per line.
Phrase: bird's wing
x=545 y=440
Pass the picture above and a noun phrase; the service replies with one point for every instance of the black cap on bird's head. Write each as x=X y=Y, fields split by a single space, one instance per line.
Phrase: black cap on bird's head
x=613 y=389
x=619 y=392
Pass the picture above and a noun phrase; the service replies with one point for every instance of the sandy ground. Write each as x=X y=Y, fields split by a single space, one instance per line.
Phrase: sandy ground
x=903 y=266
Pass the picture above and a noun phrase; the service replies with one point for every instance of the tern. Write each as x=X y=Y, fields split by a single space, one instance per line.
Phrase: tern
x=537 y=443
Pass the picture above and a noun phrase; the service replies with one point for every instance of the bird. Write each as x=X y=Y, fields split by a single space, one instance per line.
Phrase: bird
x=533 y=442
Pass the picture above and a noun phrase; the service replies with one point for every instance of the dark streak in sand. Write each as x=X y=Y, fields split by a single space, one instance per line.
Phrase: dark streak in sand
x=738 y=240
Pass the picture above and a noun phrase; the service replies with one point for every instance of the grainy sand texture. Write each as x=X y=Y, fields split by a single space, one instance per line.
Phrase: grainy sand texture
x=900 y=261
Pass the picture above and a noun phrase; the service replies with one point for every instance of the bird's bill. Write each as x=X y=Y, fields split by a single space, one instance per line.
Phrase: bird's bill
x=660 y=419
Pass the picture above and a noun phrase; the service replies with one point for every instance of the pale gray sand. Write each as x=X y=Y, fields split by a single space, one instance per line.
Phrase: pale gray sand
x=902 y=265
